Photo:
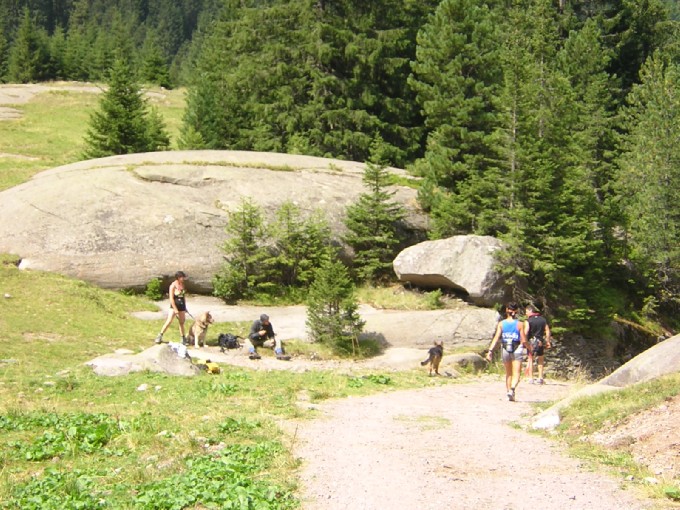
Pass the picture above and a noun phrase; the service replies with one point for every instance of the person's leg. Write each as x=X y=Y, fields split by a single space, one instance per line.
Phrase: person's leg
x=250 y=347
x=508 y=374
x=540 y=360
x=182 y=316
x=274 y=343
x=529 y=370
x=168 y=321
x=516 y=373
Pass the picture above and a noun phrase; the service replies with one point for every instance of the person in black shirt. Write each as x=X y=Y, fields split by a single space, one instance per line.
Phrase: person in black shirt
x=537 y=331
x=262 y=335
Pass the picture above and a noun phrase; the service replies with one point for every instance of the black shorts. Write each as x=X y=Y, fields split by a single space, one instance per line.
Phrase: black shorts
x=181 y=304
x=537 y=347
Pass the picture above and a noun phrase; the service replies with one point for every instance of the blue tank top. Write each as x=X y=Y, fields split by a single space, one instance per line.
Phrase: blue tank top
x=510 y=338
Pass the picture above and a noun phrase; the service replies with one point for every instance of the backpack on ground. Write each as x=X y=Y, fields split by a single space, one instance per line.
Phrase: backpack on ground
x=228 y=341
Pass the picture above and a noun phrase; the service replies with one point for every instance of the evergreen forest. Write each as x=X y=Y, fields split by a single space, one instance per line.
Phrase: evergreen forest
x=551 y=124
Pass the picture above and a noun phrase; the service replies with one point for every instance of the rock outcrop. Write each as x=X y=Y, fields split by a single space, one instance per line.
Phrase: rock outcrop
x=119 y=222
x=461 y=263
x=657 y=361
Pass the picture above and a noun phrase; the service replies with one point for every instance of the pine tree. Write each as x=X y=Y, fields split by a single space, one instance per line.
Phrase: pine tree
x=456 y=76
x=244 y=253
x=332 y=309
x=649 y=177
x=373 y=224
x=28 y=55
x=300 y=246
x=123 y=123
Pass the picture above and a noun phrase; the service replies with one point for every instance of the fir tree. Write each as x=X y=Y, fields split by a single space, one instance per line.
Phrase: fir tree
x=332 y=308
x=455 y=76
x=28 y=55
x=244 y=253
x=373 y=224
x=300 y=246
x=123 y=124
x=649 y=177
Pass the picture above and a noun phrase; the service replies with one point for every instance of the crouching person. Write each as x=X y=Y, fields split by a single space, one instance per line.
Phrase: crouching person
x=262 y=335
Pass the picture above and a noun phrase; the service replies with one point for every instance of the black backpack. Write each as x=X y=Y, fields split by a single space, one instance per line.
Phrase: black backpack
x=228 y=341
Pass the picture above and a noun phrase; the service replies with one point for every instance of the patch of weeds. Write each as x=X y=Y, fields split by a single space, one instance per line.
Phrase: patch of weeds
x=227 y=480
x=223 y=388
x=241 y=424
x=672 y=493
x=433 y=299
x=319 y=395
x=57 y=490
x=358 y=382
x=65 y=435
x=66 y=384
x=153 y=290
x=7 y=259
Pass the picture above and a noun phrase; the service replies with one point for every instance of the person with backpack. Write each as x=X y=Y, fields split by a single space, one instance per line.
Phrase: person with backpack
x=510 y=332
x=537 y=331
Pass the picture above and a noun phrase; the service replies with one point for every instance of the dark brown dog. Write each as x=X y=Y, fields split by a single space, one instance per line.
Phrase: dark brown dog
x=435 y=355
x=199 y=329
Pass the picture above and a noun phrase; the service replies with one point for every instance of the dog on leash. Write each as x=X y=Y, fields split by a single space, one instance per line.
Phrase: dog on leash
x=199 y=329
x=434 y=357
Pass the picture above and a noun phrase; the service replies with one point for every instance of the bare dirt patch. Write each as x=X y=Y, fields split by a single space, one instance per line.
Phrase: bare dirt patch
x=451 y=446
x=652 y=437
x=456 y=446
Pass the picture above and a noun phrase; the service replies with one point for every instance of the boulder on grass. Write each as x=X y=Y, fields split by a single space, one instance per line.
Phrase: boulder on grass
x=158 y=358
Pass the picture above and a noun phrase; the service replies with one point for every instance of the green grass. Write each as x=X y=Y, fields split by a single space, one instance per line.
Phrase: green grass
x=72 y=439
x=592 y=414
x=52 y=129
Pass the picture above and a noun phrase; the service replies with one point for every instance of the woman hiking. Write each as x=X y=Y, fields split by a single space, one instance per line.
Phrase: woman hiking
x=514 y=347
x=178 y=306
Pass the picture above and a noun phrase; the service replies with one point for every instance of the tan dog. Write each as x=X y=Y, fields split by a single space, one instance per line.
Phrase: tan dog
x=435 y=355
x=199 y=329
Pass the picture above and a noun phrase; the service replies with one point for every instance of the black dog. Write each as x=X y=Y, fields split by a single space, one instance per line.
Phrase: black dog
x=435 y=355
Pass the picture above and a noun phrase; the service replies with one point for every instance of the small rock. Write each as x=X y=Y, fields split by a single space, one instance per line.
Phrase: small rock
x=142 y=387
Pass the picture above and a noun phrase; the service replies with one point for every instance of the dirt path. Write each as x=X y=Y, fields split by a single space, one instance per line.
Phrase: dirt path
x=452 y=447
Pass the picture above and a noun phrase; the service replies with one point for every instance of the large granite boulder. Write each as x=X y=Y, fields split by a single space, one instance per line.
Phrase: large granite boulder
x=461 y=263
x=119 y=222
x=662 y=359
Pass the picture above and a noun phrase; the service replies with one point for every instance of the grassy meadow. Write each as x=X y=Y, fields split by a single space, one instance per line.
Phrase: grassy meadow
x=53 y=125
x=72 y=440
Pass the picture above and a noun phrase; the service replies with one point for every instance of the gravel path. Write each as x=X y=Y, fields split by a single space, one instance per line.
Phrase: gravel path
x=451 y=446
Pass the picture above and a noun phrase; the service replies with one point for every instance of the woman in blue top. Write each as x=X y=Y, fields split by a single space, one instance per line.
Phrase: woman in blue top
x=514 y=347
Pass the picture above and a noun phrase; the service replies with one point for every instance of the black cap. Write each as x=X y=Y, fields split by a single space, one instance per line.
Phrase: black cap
x=264 y=317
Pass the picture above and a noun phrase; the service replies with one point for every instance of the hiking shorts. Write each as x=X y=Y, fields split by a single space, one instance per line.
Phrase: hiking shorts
x=520 y=354
x=537 y=347
x=181 y=304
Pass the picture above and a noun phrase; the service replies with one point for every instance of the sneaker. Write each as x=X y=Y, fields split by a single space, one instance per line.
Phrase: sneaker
x=254 y=355
x=540 y=381
x=511 y=395
x=283 y=357
x=184 y=340
x=158 y=339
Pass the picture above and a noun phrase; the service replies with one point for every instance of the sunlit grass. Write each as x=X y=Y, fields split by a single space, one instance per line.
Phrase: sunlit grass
x=52 y=129
x=589 y=415
x=52 y=325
